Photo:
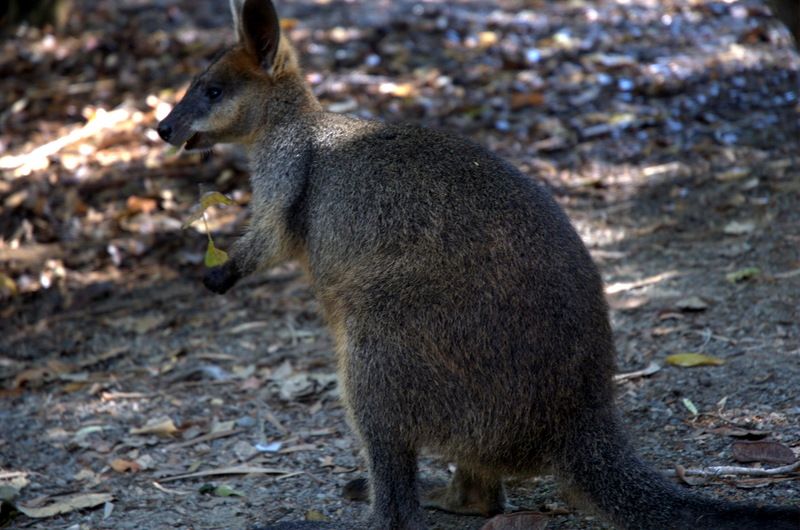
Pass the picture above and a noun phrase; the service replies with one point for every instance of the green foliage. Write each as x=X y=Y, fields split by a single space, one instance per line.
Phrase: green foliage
x=214 y=256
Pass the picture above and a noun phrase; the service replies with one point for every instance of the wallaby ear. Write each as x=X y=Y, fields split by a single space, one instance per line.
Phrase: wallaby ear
x=258 y=28
x=236 y=11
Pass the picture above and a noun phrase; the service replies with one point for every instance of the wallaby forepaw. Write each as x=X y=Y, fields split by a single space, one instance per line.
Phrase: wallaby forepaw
x=220 y=279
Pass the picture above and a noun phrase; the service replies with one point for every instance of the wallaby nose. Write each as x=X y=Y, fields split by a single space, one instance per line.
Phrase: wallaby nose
x=164 y=131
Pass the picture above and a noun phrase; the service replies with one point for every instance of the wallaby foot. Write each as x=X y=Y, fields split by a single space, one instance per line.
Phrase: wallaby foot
x=468 y=493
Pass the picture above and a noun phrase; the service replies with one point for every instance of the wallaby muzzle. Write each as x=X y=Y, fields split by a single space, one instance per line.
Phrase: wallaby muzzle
x=175 y=129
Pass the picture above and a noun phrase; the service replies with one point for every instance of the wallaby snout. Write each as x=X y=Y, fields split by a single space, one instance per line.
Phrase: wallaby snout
x=177 y=128
x=165 y=131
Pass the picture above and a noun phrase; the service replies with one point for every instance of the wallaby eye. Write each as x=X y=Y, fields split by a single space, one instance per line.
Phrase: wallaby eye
x=212 y=93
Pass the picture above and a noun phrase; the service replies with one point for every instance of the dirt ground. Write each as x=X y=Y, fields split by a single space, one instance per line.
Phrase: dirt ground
x=130 y=397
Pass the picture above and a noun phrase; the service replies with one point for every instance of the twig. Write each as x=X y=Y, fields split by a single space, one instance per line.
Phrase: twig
x=629 y=286
x=717 y=471
x=204 y=438
x=650 y=369
x=235 y=470
x=167 y=490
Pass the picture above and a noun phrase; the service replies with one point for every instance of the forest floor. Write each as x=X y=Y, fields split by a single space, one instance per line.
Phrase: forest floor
x=130 y=397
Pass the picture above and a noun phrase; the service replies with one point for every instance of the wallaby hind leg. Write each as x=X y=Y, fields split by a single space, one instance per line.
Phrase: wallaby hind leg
x=393 y=488
x=469 y=493
x=388 y=439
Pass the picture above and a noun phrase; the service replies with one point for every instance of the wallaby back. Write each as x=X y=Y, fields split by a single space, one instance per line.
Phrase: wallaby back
x=469 y=317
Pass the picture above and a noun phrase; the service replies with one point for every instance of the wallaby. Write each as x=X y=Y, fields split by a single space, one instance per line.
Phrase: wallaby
x=468 y=315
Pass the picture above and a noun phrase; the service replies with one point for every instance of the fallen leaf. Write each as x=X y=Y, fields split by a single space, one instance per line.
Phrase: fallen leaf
x=742 y=274
x=7 y=286
x=136 y=204
x=739 y=432
x=689 y=404
x=518 y=521
x=314 y=515
x=738 y=228
x=120 y=465
x=762 y=451
x=526 y=99
x=693 y=359
x=693 y=303
x=751 y=483
x=67 y=504
x=734 y=173
x=162 y=427
x=224 y=490
x=234 y=470
x=37 y=376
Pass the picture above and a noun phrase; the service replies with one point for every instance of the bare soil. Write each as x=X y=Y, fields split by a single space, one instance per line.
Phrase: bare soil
x=668 y=130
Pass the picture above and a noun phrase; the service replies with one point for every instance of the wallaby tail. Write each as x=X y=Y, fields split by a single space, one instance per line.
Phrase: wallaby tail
x=609 y=475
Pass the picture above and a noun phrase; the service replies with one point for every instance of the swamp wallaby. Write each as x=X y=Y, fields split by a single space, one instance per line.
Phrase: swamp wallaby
x=468 y=315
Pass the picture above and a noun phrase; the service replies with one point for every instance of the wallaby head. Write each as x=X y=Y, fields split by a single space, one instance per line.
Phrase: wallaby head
x=244 y=89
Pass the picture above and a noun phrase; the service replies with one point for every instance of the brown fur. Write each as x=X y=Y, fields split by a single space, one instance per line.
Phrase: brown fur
x=468 y=315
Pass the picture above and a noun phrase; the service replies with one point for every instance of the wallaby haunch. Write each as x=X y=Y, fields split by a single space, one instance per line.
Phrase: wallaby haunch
x=468 y=315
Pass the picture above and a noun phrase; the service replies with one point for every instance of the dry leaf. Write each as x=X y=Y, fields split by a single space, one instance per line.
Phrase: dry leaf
x=140 y=204
x=739 y=432
x=234 y=470
x=120 y=465
x=693 y=303
x=762 y=451
x=518 y=521
x=7 y=286
x=734 y=173
x=693 y=359
x=37 y=376
x=162 y=427
x=527 y=99
x=738 y=228
x=67 y=504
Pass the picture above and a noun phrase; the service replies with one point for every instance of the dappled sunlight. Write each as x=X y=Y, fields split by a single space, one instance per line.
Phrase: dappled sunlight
x=668 y=130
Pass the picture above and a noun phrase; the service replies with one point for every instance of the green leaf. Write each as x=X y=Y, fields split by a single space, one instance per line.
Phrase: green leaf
x=691 y=406
x=742 y=274
x=215 y=256
x=206 y=201
x=214 y=197
x=226 y=491
x=693 y=359
x=314 y=515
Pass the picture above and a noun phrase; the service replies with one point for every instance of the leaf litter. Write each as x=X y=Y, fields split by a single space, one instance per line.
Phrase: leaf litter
x=668 y=132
